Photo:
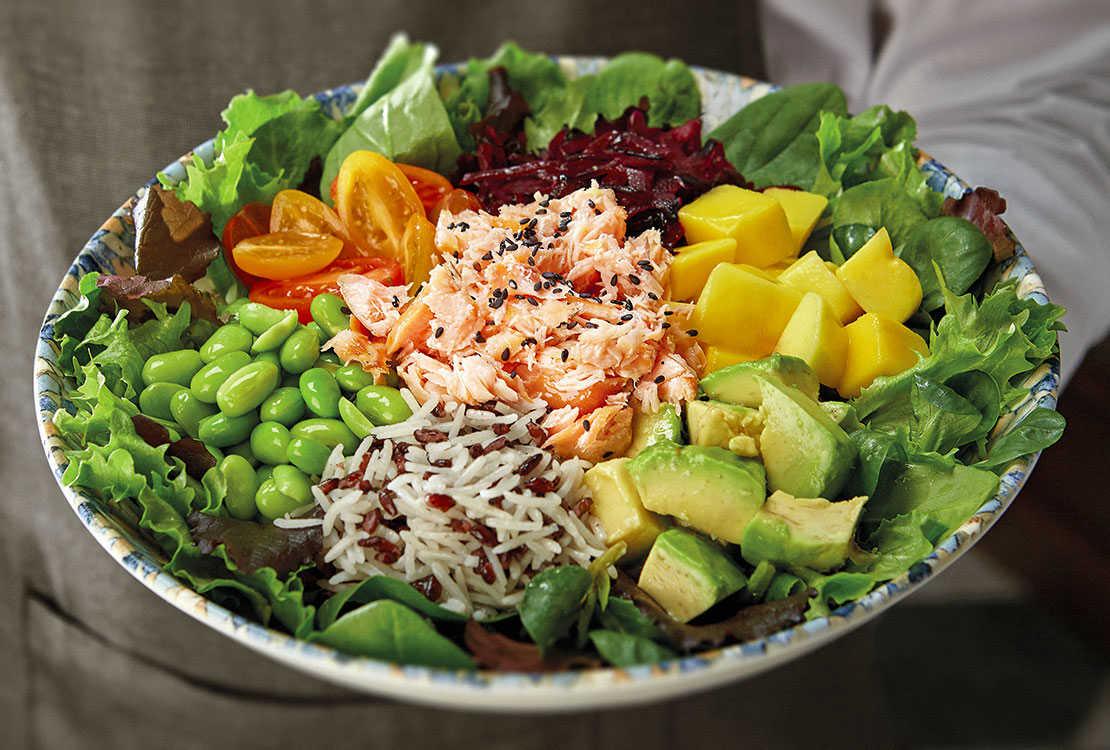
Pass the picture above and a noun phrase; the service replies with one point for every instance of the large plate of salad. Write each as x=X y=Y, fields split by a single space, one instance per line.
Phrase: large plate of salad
x=208 y=482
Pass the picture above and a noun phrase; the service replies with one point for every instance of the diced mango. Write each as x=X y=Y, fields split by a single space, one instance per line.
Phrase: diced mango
x=815 y=335
x=802 y=209
x=757 y=222
x=810 y=273
x=877 y=345
x=691 y=267
x=743 y=309
x=879 y=282
x=717 y=357
x=617 y=508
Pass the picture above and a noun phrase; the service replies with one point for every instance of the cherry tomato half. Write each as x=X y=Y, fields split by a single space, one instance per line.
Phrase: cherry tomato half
x=252 y=220
x=454 y=201
x=297 y=211
x=296 y=294
x=375 y=200
x=286 y=255
x=430 y=186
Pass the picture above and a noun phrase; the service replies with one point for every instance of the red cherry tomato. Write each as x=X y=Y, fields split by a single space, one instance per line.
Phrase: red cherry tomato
x=252 y=220
x=430 y=186
x=296 y=294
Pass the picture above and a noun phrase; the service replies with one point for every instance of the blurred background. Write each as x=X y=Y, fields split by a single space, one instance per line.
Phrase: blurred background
x=1007 y=648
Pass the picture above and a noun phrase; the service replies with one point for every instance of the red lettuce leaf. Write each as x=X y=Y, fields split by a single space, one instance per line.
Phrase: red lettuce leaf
x=172 y=236
x=981 y=207
x=253 y=546
x=128 y=292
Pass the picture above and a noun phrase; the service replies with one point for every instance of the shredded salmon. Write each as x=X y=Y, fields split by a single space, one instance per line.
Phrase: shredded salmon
x=543 y=303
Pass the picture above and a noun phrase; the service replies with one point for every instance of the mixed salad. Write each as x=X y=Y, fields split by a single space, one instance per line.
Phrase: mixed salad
x=500 y=369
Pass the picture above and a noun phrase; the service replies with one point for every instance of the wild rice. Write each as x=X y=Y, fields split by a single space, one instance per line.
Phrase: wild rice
x=495 y=535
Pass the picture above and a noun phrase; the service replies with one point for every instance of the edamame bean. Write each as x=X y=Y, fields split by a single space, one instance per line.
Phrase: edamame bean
x=209 y=378
x=243 y=449
x=223 y=430
x=172 y=367
x=154 y=400
x=274 y=336
x=384 y=405
x=329 y=311
x=330 y=432
x=256 y=317
x=293 y=482
x=312 y=325
x=263 y=473
x=269 y=441
x=247 y=388
x=320 y=392
x=353 y=378
x=271 y=357
x=231 y=337
x=284 y=405
x=308 y=455
x=300 y=351
x=273 y=503
x=241 y=484
x=355 y=420
x=189 y=411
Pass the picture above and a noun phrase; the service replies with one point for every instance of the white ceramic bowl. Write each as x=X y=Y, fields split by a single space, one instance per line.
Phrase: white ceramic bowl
x=110 y=250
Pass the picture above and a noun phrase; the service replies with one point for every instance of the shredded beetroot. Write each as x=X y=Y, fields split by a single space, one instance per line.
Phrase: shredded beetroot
x=653 y=171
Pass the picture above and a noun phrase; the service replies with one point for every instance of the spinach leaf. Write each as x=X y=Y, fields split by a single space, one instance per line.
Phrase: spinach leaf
x=388 y=630
x=552 y=603
x=875 y=204
x=946 y=416
x=626 y=650
x=623 y=616
x=1037 y=430
x=772 y=141
x=959 y=249
x=881 y=456
x=382 y=587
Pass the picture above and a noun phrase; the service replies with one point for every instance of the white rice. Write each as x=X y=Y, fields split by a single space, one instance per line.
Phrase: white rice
x=478 y=555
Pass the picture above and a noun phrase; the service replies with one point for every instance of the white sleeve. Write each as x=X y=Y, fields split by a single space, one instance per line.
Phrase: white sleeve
x=1009 y=94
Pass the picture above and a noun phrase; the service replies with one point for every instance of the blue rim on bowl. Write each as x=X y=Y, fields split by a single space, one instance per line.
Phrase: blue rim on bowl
x=110 y=250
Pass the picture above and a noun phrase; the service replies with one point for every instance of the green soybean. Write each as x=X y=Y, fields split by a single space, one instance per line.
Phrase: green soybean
x=284 y=405
x=293 y=482
x=355 y=420
x=329 y=311
x=382 y=404
x=274 y=336
x=320 y=392
x=243 y=449
x=209 y=378
x=271 y=357
x=231 y=337
x=308 y=455
x=154 y=400
x=329 y=361
x=268 y=442
x=241 y=484
x=264 y=472
x=172 y=367
x=247 y=388
x=189 y=411
x=300 y=351
x=273 y=503
x=257 y=318
x=223 y=430
x=312 y=325
x=330 y=432
x=353 y=378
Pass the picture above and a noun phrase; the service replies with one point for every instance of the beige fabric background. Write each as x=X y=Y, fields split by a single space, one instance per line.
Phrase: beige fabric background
x=96 y=96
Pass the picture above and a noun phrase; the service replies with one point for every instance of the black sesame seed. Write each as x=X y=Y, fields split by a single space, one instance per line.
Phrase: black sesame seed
x=451 y=225
x=537 y=286
x=480 y=338
x=531 y=260
x=541 y=211
x=692 y=332
x=606 y=454
x=646 y=265
x=496 y=302
x=591 y=203
x=653 y=296
x=533 y=302
x=626 y=317
x=512 y=284
x=613 y=280
x=522 y=222
x=659 y=378
x=634 y=278
x=529 y=342
x=462 y=226
x=545 y=203
x=439 y=332
x=563 y=355
x=488 y=256
x=668 y=312
x=586 y=425
x=505 y=355
x=666 y=325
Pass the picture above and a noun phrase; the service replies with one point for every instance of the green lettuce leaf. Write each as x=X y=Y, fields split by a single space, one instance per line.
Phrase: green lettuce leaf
x=669 y=85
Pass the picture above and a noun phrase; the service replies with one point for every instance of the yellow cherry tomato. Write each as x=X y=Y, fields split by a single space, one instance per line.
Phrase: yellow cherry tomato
x=286 y=255
x=375 y=200
x=419 y=245
x=297 y=211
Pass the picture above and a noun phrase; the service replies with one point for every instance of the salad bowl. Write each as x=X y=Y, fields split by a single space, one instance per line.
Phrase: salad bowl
x=110 y=250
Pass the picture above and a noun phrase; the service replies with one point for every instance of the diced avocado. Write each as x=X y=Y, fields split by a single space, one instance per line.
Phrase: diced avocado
x=728 y=426
x=649 y=428
x=687 y=574
x=802 y=532
x=843 y=413
x=711 y=489
x=736 y=384
x=617 y=507
x=805 y=452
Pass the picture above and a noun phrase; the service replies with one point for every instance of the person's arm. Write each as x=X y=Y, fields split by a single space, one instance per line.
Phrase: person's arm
x=1009 y=94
